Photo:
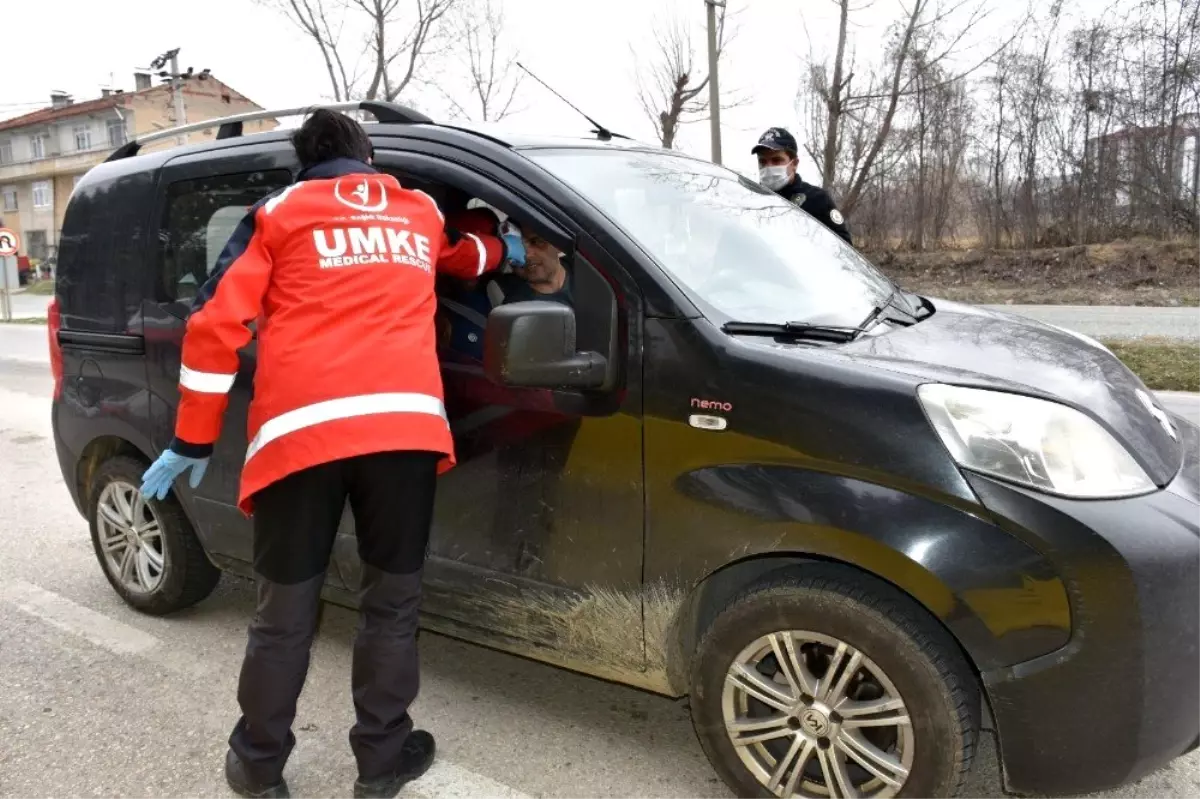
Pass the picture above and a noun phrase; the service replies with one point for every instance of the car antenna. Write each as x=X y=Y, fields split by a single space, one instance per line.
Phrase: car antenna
x=603 y=133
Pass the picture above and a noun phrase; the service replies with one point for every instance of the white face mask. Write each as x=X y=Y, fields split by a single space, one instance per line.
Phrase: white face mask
x=773 y=177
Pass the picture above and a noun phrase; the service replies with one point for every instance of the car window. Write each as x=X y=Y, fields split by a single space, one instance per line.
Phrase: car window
x=198 y=219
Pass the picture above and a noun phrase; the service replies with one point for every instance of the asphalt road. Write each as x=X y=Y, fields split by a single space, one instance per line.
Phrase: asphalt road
x=1115 y=321
x=98 y=700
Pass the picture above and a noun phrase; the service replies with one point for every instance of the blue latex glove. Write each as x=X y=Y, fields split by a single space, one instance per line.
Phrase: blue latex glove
x=514 y=249
x=157 y=480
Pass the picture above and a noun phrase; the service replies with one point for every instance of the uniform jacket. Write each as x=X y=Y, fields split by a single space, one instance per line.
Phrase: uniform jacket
x=818 y=203
x=338 y=269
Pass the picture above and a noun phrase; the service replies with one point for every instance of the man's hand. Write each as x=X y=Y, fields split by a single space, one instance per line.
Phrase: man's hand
x=157 y=480
x=514 y=249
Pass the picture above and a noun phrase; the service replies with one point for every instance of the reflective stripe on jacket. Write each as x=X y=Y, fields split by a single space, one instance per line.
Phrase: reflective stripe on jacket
x=338 y=269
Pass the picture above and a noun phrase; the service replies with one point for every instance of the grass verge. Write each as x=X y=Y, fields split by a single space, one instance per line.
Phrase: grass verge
x=32 y=320
x=1162 y=364
x=42 y=287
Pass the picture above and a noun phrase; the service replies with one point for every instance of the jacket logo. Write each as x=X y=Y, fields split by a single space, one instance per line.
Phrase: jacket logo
x=356 y=246
x=1159 y=414
x=359 y=196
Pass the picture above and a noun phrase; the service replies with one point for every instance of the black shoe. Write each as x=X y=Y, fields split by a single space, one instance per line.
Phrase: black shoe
x=244 y=785
x=416 y=756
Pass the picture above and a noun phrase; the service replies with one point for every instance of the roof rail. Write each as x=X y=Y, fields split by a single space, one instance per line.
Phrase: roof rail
x=231 y=126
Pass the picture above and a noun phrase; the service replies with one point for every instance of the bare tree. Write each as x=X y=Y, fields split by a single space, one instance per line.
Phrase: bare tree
x=313 y=17
x=1001 y=147
x=492 y=77
x=1090 y=105
x=853 y=109
x=1031 y=115
x=1162 y=73
x=670 y=89
x=390 y=36
x=937 y=141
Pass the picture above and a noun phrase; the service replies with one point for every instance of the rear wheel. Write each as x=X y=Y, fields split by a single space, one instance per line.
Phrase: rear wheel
x=147 y=548
x=828 y=683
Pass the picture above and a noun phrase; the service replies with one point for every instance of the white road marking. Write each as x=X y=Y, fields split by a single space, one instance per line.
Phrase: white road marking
x=117 y=637
x=444 y=780
x=68 y=616
x=448 y=781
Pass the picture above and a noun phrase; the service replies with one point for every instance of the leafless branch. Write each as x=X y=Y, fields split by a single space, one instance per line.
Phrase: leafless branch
x=671 y=91
x=491 y=78
x=393 y=37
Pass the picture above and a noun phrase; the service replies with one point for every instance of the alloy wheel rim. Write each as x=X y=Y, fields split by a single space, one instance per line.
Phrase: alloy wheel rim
x=809 y=715
x=131 y=538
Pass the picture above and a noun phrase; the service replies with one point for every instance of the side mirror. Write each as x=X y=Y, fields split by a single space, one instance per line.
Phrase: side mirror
x=532 y=345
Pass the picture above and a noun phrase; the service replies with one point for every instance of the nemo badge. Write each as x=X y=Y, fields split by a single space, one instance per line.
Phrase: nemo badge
x=712 y=419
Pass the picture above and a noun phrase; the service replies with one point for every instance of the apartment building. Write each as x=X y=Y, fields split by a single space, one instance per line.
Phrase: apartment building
x=1152 y=168
x=44 y=153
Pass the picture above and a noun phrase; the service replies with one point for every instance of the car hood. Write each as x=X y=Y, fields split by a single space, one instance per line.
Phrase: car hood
x=967 y=345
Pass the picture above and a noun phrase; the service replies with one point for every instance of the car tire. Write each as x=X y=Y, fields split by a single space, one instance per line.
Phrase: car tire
x=166 y=569
x=817 y=609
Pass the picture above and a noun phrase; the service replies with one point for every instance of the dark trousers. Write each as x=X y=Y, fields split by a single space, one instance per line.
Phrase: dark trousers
x=295 y=522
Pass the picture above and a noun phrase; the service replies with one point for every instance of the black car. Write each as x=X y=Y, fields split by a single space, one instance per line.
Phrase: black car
x=853 y=524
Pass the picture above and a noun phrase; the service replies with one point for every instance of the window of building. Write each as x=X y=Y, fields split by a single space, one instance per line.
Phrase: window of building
x=116 y=132
x=43 y=194
x=198 y=219
x=83 y=137
x=9 y=195
x=36 y=244
x=37 y=146
x=6 y=155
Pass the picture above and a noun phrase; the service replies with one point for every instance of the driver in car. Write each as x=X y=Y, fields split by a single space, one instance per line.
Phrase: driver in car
x=545 y=276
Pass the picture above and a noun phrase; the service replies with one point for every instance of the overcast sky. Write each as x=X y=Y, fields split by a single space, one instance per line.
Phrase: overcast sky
x=581 y=47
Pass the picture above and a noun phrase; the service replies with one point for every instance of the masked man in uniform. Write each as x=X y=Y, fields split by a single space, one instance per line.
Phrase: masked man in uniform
x=777 y=162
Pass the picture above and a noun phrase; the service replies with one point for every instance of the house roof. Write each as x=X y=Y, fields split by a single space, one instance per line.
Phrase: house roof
x=44 y=115
x=50 y=114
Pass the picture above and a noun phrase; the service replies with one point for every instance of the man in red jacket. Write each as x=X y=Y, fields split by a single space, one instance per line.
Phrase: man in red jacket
x=338 y=269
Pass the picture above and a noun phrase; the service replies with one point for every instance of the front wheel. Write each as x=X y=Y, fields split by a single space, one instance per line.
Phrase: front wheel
x=828 y=683
x=147 y=548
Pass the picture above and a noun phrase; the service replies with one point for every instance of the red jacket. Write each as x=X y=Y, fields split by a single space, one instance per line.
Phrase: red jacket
x=338 y=269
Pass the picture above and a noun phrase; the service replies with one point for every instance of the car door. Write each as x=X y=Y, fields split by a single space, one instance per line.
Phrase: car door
x=200 y=199
x=537 y=535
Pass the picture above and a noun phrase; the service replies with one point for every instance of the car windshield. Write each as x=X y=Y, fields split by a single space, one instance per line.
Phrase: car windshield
x=735 y=247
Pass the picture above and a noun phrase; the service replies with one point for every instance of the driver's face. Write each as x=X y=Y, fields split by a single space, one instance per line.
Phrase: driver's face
x=541 y=259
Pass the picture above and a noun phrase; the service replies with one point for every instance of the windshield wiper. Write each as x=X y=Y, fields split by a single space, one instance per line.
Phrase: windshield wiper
x=878 y=310
x=793 y=329
x=820 y=332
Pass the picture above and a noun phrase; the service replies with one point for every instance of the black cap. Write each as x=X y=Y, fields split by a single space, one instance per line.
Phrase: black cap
x=776 y=139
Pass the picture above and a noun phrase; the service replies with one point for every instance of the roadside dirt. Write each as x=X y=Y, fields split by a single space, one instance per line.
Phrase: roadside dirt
x=1139 y=272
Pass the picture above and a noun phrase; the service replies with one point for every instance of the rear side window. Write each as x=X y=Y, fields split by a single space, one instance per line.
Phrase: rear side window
x=199 y=217
x=101 y=271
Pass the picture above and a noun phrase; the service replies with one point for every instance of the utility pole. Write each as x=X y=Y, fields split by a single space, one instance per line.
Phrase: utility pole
x=714 y=91
x=177 y=94
x=176 y=79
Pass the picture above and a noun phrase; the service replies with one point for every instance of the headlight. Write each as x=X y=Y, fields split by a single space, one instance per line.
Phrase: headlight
x=1042 y=444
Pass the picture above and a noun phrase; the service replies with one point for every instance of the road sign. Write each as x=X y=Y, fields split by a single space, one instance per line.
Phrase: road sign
x=10 y=242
